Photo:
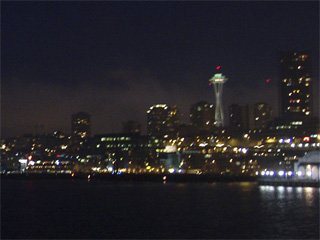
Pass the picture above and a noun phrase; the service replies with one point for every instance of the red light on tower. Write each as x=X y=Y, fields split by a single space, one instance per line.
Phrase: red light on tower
x=268 y=80
x=218 y=67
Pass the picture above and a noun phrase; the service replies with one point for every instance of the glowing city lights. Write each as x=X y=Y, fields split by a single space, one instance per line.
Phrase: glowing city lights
x=306 y=139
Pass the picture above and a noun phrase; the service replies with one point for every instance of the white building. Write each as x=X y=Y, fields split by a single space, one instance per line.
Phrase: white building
x=308 y=166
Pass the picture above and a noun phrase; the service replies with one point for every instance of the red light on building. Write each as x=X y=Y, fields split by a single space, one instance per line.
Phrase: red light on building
x=29 y=157
x=306 y=139
x=218 y=67
x=268 y=80
x=58 y=155
x=210 y=84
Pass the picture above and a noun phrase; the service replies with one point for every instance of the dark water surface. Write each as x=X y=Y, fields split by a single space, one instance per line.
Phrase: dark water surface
x=79 y=209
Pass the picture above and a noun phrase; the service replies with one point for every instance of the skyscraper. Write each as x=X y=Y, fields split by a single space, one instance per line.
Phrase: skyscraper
x=263 y=115
x=295 y=91
x=238 y=118
x=80 y=126
x=162 y=120
x=202 y=115
x=249 y=117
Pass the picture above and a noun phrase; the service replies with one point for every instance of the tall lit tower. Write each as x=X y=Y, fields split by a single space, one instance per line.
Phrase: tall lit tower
x=218 y=80
x=295 y=85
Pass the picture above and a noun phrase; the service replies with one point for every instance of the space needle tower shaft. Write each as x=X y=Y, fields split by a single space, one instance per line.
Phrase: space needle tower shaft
x=218 y=80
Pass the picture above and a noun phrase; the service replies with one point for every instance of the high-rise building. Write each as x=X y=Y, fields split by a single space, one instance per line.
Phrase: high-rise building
x=162 y=120
x=263 y=115
x=241 y=117
x=249 y=117
x=80 y=126
x=236 y=118
x=202 y=115
x=295 y=90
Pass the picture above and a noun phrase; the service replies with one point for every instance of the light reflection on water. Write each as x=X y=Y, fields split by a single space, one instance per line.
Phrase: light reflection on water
x=309 y=195
x=279 y=192
x=104 y=210
x=290 y=210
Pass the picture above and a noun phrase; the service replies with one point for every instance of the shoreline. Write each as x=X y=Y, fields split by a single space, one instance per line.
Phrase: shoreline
x=132 y=177
x=174 y=178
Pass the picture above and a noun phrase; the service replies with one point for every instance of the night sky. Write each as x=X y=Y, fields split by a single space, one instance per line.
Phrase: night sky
x=116 y=59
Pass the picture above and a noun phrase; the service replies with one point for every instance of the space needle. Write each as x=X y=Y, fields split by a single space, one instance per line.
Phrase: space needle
x=218 y=80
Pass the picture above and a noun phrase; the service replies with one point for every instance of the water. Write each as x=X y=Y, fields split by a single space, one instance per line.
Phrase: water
x=146 y=210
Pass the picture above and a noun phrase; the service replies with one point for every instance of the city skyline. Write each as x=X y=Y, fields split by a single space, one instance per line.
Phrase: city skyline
x=115 y=60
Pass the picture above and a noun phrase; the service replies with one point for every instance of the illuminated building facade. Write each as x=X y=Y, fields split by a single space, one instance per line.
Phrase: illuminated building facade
x=132 y=152
x=80 y=126
x=202 y=116
x=308 y=166
x=218 y=80
x=162 y=120
x=295 y=85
